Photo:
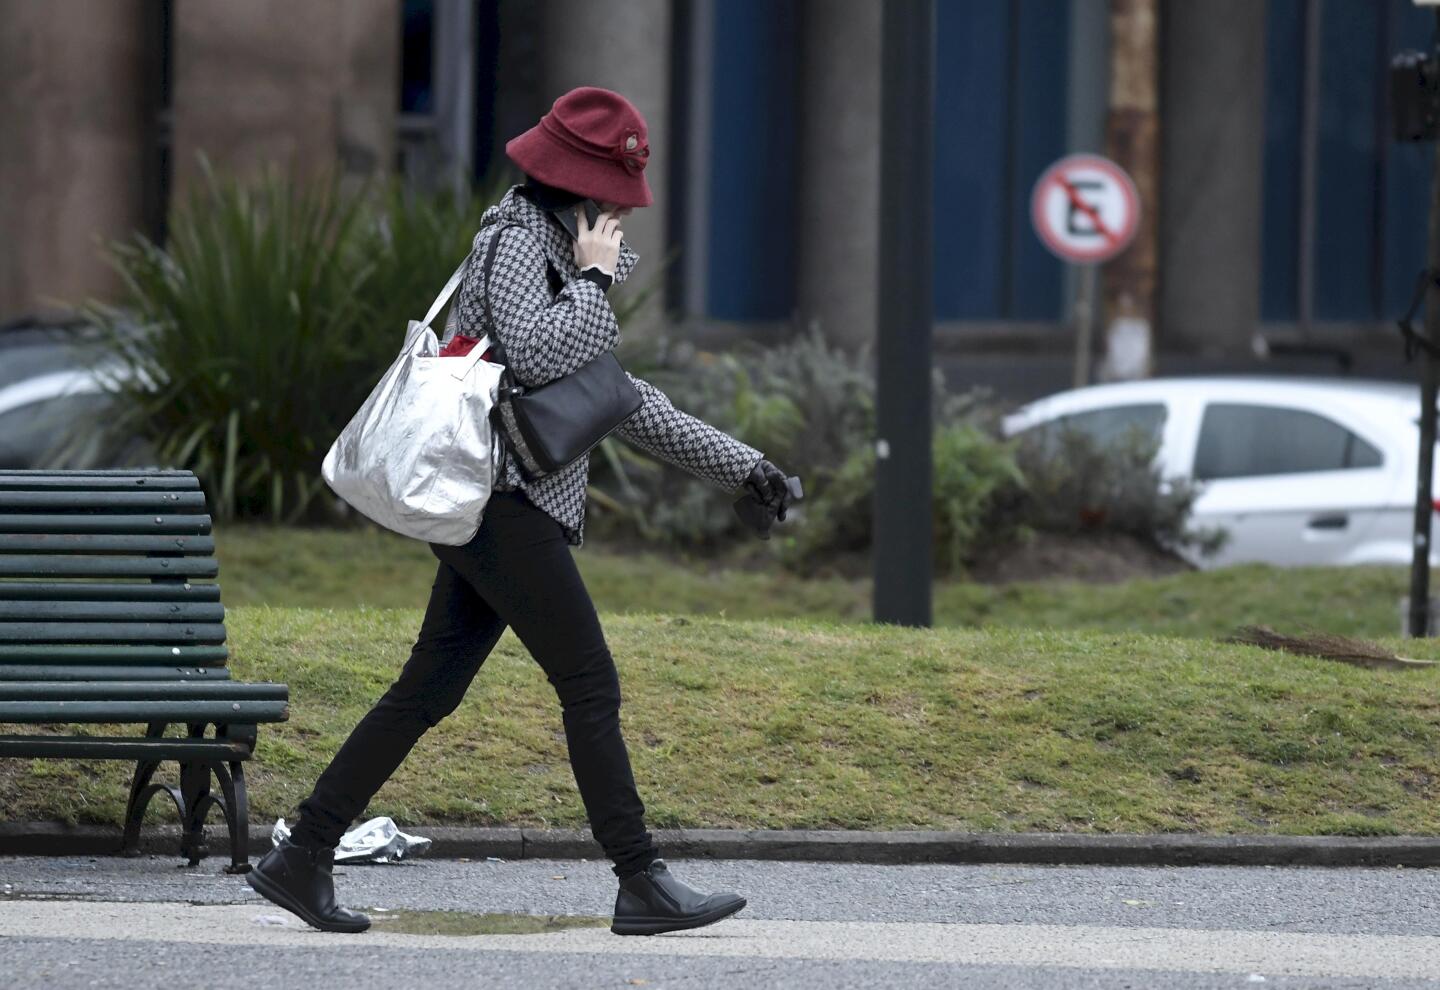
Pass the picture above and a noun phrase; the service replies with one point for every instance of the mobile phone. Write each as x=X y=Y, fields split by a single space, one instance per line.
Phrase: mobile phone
x=566 y=215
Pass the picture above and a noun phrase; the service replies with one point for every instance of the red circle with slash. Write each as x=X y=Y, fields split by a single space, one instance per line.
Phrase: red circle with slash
x=1085 y=208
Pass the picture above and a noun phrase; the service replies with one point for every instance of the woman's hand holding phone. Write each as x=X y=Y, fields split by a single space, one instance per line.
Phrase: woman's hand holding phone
x=598 y=245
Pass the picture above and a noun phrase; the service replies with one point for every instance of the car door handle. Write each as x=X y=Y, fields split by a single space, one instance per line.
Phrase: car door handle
x=1335 y=520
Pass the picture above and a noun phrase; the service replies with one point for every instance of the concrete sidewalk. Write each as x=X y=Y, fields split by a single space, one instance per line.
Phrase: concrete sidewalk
x=148 y=922
x=837 y=846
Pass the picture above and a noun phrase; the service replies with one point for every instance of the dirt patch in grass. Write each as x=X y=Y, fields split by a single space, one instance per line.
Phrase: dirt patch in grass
x=1106 y=558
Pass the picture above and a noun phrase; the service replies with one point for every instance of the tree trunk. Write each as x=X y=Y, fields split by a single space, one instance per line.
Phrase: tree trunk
x=1132 y=139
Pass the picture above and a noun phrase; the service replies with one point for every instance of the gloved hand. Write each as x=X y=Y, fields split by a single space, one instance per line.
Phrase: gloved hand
x=768 y=493
x=767 y=484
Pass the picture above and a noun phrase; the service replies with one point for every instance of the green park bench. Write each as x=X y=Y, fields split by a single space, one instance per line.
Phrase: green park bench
x=109 y=615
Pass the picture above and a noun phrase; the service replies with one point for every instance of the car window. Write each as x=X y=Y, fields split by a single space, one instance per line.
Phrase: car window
x=1243 y=441
x=1104 y=427
x=1112 y=425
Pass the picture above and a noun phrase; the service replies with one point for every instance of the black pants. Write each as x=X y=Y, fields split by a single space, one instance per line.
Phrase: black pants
x=518 y=571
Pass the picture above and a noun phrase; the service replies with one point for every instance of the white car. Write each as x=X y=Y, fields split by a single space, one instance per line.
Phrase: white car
x=1298 y=471
x=36 y=413
x=53 y=378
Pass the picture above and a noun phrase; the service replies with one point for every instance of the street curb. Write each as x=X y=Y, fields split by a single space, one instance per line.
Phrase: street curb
x=830 y=846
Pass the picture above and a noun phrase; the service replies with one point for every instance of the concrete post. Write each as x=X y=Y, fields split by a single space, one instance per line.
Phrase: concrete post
x=1213 y=86
x=309 y=87
x=71 y=145
x=624 y=47
x=839 y=206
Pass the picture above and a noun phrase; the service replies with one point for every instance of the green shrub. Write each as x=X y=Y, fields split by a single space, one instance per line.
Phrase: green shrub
x=810 y=407
x=413 y=241
x=1073 y=484
x=805 y=404
x=266 y=319
x=974 y=478
x=988 y=492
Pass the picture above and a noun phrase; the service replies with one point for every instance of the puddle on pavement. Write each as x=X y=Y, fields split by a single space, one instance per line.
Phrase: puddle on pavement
x=466 y=923
x=399 y=921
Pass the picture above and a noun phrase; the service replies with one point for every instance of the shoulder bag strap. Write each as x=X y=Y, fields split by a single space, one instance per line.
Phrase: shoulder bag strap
x=489 y=317
x=446 y=292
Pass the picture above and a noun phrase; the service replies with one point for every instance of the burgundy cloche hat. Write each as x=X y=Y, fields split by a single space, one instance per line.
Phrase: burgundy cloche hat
x=593 y=142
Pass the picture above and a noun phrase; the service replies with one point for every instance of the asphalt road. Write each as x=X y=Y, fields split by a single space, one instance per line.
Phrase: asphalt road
x=148 y=922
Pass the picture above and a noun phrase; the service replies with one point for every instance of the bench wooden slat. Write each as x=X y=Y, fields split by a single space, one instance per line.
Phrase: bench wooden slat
x=37 y=522
x=105 y=543
x=111 y=632
x=179 y=690
x=217 y=712
x=148 y=472
x=95 y=483
x=92 y=501
x=123 y=748
x=112 y=611
x=189 y=655
x=44 y=565
x=106 y=591
x=103 y=653
x=106 y=616
x=77 y=672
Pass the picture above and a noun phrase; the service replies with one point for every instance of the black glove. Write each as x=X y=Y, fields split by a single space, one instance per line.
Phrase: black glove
x=767 y=484
x=768 y=494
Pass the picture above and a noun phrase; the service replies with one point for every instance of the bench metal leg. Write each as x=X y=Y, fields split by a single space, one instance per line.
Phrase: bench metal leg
x=195 y=791
x=195 y=788
x=237 y=814
x=141 y=791
x=193 y=800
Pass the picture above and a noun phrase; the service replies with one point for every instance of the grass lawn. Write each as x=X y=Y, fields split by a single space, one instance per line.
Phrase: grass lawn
x=339 y=569
x=816 y=724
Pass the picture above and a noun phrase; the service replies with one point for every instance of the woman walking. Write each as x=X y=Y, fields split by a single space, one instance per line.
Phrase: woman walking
x=547 y=296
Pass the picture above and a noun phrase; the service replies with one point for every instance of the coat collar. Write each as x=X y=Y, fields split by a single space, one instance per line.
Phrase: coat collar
x=554 y=238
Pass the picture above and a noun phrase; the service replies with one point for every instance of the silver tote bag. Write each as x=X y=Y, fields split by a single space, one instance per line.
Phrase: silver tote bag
x=420 y=456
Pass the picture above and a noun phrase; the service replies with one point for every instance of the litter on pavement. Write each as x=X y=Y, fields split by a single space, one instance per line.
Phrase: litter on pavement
x=378 y=840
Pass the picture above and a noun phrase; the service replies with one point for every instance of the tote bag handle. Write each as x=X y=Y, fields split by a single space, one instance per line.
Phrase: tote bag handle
x=447 y=292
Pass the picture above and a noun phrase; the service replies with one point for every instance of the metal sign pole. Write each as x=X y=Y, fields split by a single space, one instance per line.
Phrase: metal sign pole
x=903 y=474
x=1086 y=210
x=1419 y=624
x=1085 y=323
x=1424 y=504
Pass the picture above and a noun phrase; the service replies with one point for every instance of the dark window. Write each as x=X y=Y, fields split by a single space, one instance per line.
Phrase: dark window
x=1103 y=428
x=1000 y=119
x=753 y=177
x=1118 y=423
x=1370 y=192
x=417 y=56
x=1239 y=441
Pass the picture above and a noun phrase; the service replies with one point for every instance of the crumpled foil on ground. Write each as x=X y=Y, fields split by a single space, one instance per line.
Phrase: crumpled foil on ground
x=378 y=840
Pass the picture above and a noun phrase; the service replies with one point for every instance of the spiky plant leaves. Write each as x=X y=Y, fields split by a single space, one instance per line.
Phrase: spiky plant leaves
x=252 y=336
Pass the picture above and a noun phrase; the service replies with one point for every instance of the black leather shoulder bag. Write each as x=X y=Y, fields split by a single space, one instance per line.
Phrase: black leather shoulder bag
x=549 y=426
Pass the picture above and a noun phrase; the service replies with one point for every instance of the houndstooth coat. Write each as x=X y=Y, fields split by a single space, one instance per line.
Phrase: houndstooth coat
x=548 y=336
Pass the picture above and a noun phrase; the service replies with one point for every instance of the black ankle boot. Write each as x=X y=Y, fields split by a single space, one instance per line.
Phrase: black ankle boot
x=299 y=879
x=652 y=901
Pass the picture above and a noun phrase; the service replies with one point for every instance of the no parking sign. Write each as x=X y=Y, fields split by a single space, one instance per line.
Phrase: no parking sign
x=1085 y=209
